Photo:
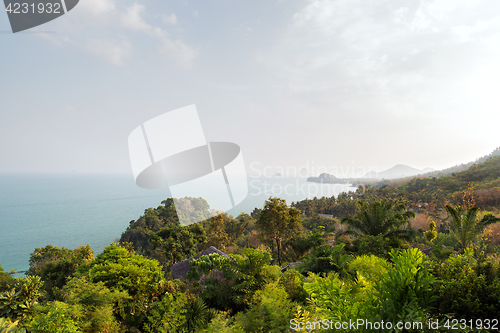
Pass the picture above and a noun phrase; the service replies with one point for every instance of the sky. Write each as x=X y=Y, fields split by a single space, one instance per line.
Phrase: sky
x=346 y=85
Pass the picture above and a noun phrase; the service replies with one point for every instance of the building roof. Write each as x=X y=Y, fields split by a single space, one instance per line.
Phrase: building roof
x=179 y=270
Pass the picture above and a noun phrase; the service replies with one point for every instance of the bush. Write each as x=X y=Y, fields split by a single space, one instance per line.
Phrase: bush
x=5 y=279
x=377 y=245
x=468 y=288
x=405 y=291
x=21 y=295
x=122 y=270
x=326 y=258
x=53 y=318
x=291 y=280
x=55 y=265
x=336 y=299
x=242 y=276
x=222 y=323
x=271 y=311
x=7 y=326
x=92 y=305
x=167 y=315
x=370 y=267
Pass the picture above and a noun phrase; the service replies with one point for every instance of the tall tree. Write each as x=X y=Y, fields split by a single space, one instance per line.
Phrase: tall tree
x=379 y=218
x=468 y=224
x=278 y=223
x=216 y=233
x=55 y=264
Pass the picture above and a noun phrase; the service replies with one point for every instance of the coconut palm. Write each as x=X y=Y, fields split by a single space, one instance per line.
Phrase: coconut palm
x=380 y=218
x=468 y=224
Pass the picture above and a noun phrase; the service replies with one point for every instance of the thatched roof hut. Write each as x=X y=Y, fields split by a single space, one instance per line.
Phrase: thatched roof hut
x=179 y=270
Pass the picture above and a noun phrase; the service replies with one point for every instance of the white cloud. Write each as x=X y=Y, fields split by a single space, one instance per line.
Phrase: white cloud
x=97 y=23
x=132 y=19
x=178 y=51
x=377 y=61
x=170 y=19
x=97 y=7
x=111 y=51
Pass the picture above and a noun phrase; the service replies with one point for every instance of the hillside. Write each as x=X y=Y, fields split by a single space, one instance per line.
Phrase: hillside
x=397 y=171
x=450 y=170
x=484 y=175
x=418 y=192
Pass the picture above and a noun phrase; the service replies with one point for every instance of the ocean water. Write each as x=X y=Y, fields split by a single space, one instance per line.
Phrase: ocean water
x=72 y=210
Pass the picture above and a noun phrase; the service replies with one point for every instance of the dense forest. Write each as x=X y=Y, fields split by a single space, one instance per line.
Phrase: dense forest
x=420 y=255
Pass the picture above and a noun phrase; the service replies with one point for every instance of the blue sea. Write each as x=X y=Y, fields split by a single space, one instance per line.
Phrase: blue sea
x=72 y=210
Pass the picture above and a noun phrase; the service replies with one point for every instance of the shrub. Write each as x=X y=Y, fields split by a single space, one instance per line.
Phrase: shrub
x=371 y=267
x=291 y=280
x=468 y=288
x=271 y=311
x=336 y=299
x=92 y=305
x=167 y=315
x=326 y=258
x=405 y=291
x=53 y=318
x=55 y=265
x=21 y=296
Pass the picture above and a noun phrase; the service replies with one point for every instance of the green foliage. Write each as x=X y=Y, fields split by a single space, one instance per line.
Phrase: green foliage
x=243 y=275
x=377 y=245
x=222 y=323
x=53 y=318
x=467 y=287
x=92 y=305
x=217 y=235
x=380 y=218
x=326 y=258
x=467 y=224
x=405 y=291
x=293 y=283
x=370 y=267
x=238 y=229
x=158 y=234
x=276 y=224
x=336 y=299
x=5 y=279
x=192 y=210
x=298 y=246
x=121 y=270
x=439 y=251
x=167 y=315
x=316 y=221
x=271 y=311
x=55 y=265
x=198 y=315
x=431 y=234
x=174 y=243
x=7 y=326
x=21 y=296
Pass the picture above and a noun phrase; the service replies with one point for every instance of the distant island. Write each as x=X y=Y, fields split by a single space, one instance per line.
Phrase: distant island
x=326 y=178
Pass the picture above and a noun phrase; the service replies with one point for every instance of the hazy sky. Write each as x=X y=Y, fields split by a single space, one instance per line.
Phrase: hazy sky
x=335 y=83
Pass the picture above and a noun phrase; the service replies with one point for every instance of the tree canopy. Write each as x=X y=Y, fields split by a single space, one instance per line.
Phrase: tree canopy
x=278 y=223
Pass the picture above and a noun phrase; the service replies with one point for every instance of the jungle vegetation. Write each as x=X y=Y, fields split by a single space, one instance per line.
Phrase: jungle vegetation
x=424 y=250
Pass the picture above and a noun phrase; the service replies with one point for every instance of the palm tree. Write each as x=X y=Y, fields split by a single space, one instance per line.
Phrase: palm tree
x=380 y=218
x=467 y=224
